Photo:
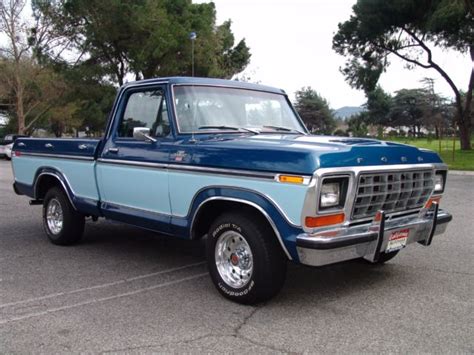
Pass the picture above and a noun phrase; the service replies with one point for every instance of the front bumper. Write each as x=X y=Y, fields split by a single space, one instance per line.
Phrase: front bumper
x=369 y=240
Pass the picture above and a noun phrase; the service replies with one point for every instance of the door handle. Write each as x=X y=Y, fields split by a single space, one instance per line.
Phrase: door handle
x=113 y=150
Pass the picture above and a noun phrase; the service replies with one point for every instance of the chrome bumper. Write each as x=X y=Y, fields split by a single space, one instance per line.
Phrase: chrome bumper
x=369 y=240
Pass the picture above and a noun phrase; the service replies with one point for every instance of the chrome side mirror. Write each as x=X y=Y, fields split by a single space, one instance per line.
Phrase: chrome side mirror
x=143 y=134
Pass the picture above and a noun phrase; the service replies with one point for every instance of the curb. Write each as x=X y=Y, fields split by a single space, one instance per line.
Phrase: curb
x=460 y=172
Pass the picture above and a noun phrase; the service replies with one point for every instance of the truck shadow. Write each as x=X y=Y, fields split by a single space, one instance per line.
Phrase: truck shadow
x=152 y=250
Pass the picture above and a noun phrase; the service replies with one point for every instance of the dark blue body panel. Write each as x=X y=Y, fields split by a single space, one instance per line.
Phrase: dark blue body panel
x=78 y=147
x=267 y=152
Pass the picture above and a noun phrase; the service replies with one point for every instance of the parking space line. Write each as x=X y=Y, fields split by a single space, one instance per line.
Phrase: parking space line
x=103 y=299
x=139 y=277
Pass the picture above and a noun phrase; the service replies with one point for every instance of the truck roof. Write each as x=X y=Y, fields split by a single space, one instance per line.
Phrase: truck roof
x=205 y=81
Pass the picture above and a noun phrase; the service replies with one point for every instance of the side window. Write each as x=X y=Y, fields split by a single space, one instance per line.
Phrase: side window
x=145 y=109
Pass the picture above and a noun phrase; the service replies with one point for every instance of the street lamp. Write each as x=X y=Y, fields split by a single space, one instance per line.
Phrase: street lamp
x=192 y=37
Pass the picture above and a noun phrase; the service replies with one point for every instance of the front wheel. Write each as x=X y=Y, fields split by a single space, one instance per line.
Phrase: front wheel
x=384 y=257
x=246 y=263
x=62 y=224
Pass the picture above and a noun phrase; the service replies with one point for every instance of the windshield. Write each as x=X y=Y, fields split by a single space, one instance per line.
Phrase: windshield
x=202 y=108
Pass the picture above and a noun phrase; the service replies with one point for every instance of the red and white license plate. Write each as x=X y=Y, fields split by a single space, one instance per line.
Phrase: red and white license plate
x=397 y=240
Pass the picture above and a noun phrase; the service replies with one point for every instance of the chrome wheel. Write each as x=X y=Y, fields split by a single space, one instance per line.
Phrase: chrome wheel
x=54 y=216
x=234 y=259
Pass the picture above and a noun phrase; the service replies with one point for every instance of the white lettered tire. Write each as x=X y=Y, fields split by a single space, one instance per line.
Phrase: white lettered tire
x=246 y=262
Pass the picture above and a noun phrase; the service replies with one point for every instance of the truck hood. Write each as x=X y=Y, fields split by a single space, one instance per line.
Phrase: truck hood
x=302 y=154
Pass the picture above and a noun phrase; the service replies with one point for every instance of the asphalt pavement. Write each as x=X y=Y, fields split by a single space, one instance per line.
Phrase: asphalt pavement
x=125 y=290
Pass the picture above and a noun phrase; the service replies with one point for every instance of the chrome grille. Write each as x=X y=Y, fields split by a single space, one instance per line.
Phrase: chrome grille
x=392 y=192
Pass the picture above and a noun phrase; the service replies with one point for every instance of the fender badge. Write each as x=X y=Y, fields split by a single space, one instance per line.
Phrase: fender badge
x=384 y=159
x=180 y=155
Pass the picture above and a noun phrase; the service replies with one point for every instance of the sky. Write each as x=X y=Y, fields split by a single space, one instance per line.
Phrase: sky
x=291 y=46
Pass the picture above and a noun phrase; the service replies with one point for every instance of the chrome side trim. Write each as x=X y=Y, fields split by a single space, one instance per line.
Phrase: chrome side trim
x=188 y=213
x=57 y=177
x=57 y=156
x=222 y=171
x=113 y=204
x=192 y=168
x=278 y=208
x=260 y=209
x=132 y=163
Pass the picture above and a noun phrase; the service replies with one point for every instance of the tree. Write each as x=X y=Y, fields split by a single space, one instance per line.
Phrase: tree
x=315 y=111
x=146 y=38
x=358 y=124
x=30 y=88
x=408 y=109
x=438 y=110
x=408 y=29
x=12 y=25
x=379 y=104
x=33 y=91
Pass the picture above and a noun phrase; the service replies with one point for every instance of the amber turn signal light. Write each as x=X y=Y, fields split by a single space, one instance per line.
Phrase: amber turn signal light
x=321 y=221
x=429 y=203
x=292 y=179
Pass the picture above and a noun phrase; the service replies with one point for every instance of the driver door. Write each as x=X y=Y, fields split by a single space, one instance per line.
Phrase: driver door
x=131 y=174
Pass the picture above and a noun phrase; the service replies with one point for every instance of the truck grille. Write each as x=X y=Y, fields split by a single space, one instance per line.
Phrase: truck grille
x=392 y=192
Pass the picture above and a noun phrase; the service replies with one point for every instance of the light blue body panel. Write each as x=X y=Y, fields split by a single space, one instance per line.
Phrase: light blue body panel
x=288 y=198
x=80 y=174
x=136 y=187
x=160 y=184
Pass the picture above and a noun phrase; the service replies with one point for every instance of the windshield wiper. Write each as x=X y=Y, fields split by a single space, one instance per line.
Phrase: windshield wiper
x=284 y=129
x=219 y=127
x=229 y=128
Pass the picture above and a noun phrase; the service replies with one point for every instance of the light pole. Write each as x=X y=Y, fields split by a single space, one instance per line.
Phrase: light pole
x=192 y=37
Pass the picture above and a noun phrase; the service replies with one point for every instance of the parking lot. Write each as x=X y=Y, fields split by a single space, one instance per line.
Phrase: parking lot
x=127 y=290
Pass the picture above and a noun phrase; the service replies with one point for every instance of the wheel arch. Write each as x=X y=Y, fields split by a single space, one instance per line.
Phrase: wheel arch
x=213 y=206
x=46 y=178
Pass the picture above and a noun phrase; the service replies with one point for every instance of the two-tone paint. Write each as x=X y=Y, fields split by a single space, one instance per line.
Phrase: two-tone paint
x=163 y=185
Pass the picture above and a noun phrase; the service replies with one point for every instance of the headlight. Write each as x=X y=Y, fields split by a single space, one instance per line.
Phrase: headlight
x=439 y=182
x=333 y=191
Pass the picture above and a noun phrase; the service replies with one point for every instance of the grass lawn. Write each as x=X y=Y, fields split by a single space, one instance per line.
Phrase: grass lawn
x=463 y=160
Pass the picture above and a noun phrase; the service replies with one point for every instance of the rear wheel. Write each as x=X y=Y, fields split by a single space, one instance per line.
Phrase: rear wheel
x=62 y=224
x=246 y=263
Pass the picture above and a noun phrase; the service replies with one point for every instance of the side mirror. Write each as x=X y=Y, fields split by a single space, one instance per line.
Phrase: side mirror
x=142 y=134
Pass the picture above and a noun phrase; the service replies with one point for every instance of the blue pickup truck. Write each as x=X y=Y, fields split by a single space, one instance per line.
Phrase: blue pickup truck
x=233 y=163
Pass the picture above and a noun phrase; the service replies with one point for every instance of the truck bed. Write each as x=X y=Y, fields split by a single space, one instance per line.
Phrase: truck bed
x=72 y=160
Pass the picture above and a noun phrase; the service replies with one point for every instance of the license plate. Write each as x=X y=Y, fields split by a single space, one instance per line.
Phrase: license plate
x=397 y=240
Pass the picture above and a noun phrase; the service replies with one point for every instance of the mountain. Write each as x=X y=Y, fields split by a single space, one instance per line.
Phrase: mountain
x=347 y=111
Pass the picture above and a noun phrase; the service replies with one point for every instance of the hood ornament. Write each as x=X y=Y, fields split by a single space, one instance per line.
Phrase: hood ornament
x=360 y=160
x=404 y=159
x=384 y=159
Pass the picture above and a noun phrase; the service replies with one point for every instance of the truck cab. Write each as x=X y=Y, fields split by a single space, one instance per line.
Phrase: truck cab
x=233 y=163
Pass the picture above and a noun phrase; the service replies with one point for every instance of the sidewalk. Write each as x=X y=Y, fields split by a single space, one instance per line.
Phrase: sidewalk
x=461 y=172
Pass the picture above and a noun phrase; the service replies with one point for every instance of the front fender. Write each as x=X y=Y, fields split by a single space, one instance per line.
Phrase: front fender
x=284 y=229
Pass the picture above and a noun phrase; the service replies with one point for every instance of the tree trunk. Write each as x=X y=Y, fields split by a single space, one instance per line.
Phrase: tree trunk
x=464 y=113
x=20 y=113
x=465 y=133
